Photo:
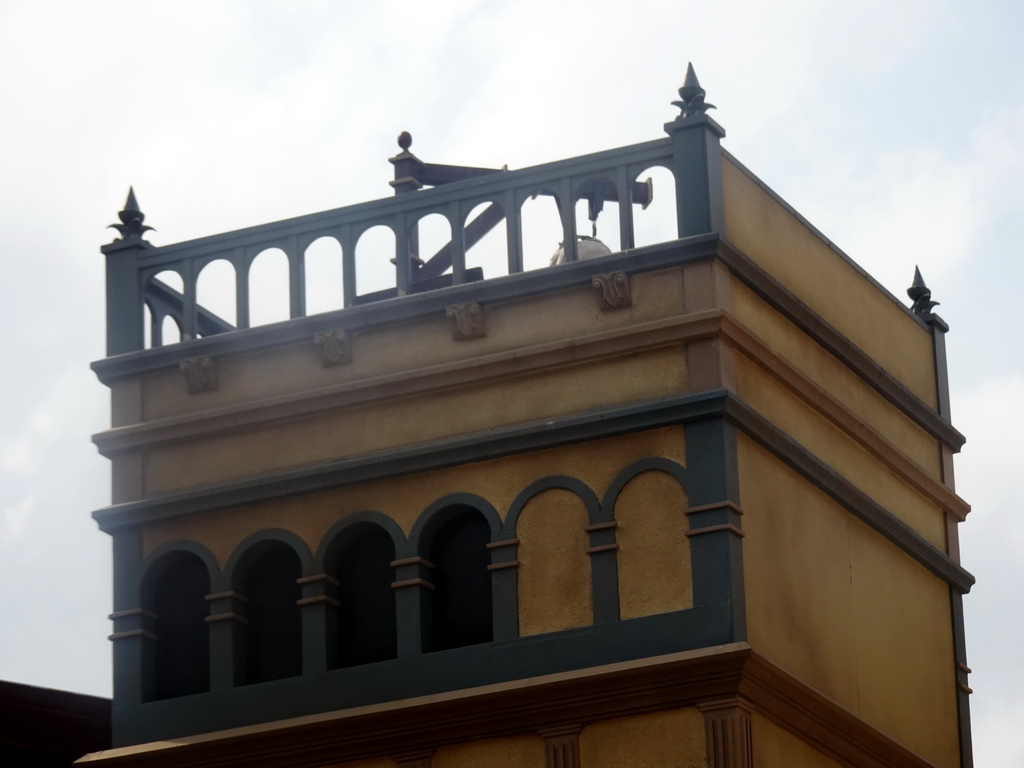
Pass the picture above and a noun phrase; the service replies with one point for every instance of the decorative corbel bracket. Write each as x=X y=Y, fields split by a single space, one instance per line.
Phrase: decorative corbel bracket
x=469 y=320
x=613 y=291
x=562 y=746
x=335 y=347
x=200 y=374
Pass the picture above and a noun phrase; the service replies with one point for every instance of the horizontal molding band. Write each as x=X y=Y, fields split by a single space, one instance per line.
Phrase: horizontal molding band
x=847 y=494
x=837 y=344
x=551 y=705
x=132 y=612
x=132 y=633
x=534 y=436
x=412 y=561
x=716 y=529
x=436 y=454
x=502 y=543
x=502 y=566
x=497 y=366
x=318 y=578
x=412 y=583
x=317 y=600
x=714 y=508
x=849 y=422
x=231 y=616
x=229 y=595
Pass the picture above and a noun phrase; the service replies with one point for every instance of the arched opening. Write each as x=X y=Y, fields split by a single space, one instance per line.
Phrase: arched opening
x=170 y=331
x=324 y=286
x=162 y=301
x=597 y=216
x=181 y=658
x=656 y=223
x=461 y=601
x=273 y=635
x=268 y=287
x=430 y=234
x=215 y=291
x=366 y=627
x=487 y=240
x=541 y=231
x=375 y=251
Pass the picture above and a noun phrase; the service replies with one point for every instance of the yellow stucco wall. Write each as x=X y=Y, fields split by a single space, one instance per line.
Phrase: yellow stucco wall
x=775 y=746
x=822 y=605
x=309 y=516
x=555 y=590
x=837 y=449
x=805 y=264
x=351 y=431
x=654 y=552
x=670 y=738
x=525 y=751
x=566 y=314
x=783 y=339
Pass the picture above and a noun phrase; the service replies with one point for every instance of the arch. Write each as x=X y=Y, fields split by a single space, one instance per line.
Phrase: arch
x=366 y=629
x=175 y=583
x=375 y=250
x=215 y=290
x=607 y=211
x=554 y=585
x=541 y=229
x=162 y=295
x=170 y=331
x=268 y=280
x=265 y=569
x=460 y=607
x=155 y=560
x=564 y=482
x=440 y=511
x=658 y=222
x=461 y=602
x=344 y=529
x=430 y=234
x=324 y=275
x=254 y=544
x=654 y=563
x=652 y=463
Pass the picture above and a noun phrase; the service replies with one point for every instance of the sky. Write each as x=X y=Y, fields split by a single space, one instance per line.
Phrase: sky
x=896 y=128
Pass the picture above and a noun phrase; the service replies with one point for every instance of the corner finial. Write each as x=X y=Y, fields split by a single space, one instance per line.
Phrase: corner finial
x=405 y=140
x=131 y=226
x=921 y=296
x=692 y=96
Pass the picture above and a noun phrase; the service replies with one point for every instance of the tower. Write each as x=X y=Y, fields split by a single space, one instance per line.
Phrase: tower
x=687 y=503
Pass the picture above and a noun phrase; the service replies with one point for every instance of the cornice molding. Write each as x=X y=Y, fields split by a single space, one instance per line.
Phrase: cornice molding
x=552 y=704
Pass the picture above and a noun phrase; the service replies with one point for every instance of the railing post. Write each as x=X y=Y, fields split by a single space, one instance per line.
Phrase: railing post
x=696 y=162
x=124 y=294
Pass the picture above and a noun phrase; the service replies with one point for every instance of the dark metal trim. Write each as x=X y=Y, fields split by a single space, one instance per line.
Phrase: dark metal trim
x=505 y=441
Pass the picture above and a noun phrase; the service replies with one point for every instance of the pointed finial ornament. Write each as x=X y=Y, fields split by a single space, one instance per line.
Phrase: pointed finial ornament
x=131 y=226
x=691 y=96
x=921 y=296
